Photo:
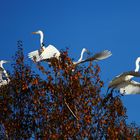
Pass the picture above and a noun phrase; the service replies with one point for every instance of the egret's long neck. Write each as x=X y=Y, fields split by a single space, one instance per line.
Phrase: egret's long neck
x=137 y=66
x=1 y=65
x=81 y=57
x=41 y=38
x=136 y=69
x=7 y=76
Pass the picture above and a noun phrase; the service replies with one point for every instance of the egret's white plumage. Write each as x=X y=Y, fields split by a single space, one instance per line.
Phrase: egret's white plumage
x=49 y=52
x=4 y=79
x=44 y=53
x=124 y=82
x=129 y=87
x=98 y=56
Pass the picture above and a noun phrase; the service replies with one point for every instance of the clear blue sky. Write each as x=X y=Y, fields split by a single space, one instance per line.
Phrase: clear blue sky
x=96 y=25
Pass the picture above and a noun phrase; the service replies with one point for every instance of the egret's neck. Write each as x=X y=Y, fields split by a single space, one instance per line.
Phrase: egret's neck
x=41 y=38
x=7 y=76
x=1 y=65
x=136 y=69
x=137 y=66
x=81 y=57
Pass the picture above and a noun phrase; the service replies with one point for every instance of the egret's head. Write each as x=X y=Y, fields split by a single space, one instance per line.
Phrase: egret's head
x=138 y=60
x=37 y=32
x=85 y=50
x=137 y=64
x=3 y=61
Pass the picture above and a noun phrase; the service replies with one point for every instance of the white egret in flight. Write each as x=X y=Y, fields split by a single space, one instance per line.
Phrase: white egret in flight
x=45 y=53
x=98 y=56
x=124 y=82
x=4 y=78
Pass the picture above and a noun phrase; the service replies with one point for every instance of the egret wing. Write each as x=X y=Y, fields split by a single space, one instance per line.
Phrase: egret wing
x=98 y=56
x=34 y=55
x=49 y=52
x=126 y=76
x=130 y=87
x=101 y=55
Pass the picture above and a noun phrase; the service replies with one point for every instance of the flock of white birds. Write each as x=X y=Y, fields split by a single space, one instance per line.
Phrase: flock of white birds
x=122 y=82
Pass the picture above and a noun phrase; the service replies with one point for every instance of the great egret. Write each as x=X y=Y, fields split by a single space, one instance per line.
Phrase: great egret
x=4 y=79
x=124 y=82
x=45 y=53
x=98 y=56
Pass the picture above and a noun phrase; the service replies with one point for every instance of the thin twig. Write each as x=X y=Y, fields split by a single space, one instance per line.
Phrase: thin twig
x=70 y=109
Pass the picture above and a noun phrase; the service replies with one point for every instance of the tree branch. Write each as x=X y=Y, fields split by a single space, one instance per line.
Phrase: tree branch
x=70 y=109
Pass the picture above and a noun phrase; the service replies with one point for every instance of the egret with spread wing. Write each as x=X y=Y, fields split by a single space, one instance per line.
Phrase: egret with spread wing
x=4 y=78
x=45 y=53
x=98 y=56
x=124 y=82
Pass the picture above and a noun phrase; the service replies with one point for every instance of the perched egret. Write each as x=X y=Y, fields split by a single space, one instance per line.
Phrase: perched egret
x=4 y=79
x=98 y=56
x=45 y=53
x=124 y=82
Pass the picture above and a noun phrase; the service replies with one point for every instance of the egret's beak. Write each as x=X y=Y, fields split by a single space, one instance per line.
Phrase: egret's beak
x=34 y=32
x=88 y=52
x=6 y=61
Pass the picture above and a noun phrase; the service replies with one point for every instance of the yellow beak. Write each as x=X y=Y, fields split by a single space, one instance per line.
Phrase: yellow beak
x=34 y=33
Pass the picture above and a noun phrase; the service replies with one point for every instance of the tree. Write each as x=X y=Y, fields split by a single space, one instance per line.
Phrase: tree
x=65 y=104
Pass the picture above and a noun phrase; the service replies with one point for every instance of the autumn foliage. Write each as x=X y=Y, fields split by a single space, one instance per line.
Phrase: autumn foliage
x=64 y=102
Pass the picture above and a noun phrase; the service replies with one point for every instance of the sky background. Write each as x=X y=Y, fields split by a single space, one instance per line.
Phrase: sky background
x=95 y=25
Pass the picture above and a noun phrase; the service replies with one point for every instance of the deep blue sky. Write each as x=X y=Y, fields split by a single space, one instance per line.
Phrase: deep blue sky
x=96 y=25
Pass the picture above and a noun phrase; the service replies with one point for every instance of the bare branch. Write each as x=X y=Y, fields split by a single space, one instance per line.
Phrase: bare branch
x=70 y=109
